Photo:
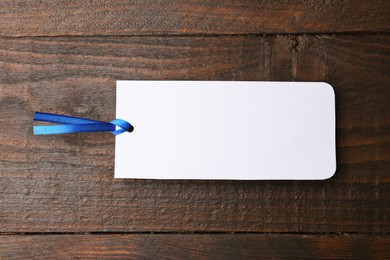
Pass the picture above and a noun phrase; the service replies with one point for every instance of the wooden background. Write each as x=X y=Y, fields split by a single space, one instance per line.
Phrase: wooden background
x=58 y=197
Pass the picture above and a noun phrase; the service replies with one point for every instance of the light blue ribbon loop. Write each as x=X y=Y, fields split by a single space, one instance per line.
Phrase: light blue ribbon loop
x=70 y=124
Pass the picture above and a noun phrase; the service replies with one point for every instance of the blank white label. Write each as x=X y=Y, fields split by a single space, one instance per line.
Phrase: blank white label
x=226 y=130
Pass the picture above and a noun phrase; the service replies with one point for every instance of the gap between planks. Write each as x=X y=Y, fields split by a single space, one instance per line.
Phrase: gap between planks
x=346 y=234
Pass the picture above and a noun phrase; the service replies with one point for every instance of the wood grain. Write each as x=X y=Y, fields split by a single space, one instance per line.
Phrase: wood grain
x=193 y=246
x=65 y=182
x=145 y=17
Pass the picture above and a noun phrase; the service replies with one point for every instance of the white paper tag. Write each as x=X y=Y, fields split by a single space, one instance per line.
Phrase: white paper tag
x=226 y=130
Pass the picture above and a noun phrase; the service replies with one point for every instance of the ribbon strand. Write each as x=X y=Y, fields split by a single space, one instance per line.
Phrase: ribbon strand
x=71 y=124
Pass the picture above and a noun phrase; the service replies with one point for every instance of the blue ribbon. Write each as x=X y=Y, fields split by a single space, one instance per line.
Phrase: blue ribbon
x=70 y=124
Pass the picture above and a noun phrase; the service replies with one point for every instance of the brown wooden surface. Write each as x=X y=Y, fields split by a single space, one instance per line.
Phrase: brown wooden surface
x=148 y=17
x=195 y=246
x=64 y=184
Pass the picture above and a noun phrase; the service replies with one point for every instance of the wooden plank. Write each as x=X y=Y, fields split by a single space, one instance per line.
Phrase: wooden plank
x=145 y=17
x=65 y=182
x=193 y=246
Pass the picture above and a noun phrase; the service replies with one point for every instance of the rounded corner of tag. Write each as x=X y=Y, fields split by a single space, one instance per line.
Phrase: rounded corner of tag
x=328 y=87
x=330 y=173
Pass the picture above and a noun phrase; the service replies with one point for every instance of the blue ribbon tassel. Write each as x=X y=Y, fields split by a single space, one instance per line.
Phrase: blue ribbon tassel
x=70 y=124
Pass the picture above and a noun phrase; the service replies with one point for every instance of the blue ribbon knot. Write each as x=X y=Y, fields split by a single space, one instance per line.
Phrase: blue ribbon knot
x=70 y=124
